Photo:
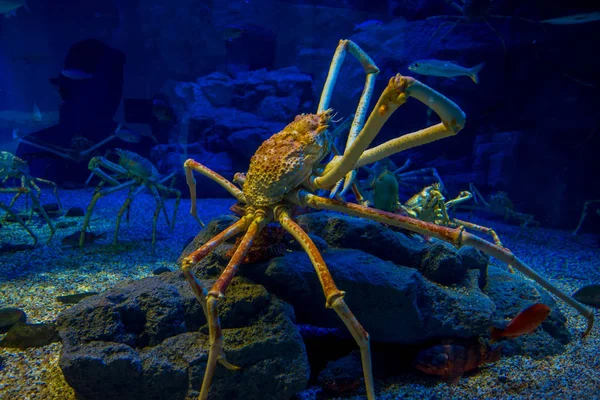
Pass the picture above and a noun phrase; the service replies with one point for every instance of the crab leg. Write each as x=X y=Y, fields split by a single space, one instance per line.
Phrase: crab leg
x=191 y=165
x=53 y=184
x=160 y=205
x=216 y=352
x=334 y=298
x=37 y=204
x=361 y=111
x=177 y=194
x=90 y=208
x=197 y=255
x=124 y=207
x=456 y=236
x=395 y=94
x=20 y=221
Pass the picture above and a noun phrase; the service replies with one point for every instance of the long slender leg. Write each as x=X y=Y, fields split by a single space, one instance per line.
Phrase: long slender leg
x=216 y=352
x=159 y=206
x=20 y=221
x=55 y=186
x=37 y=204
x=90 y=208
x=454 y=222
x=191 y=165
x=456 y=236
x=177 y=194
x=395 y=94
x=334 y=298
x=19 y=191
x=361 y=111
x=584 y=213
x=124 y=207
x=196 y=256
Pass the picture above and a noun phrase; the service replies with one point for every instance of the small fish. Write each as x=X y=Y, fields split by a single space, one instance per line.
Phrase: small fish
x=232 y=32
x=445 y=69
x=589 y=294
x=574 y=19
x=74 y=298
x=73 y=238
x=127 y=135
x=162 y=111
x=37 y=114
x=104 y=15
x=524 y=323
x=76 y=74
x=9 y=6
x=368 y=25
x=33 y=58
x=451 y=361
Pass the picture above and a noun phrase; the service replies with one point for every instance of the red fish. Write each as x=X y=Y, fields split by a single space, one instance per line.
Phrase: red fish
x=525 y=322
x=451 y=361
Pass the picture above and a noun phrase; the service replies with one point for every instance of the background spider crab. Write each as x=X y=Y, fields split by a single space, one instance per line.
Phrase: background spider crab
x=285 y=171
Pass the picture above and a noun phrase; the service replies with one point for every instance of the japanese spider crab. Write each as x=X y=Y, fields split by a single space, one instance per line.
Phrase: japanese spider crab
x=14 y=167
x=139 y=174
x=285 y=172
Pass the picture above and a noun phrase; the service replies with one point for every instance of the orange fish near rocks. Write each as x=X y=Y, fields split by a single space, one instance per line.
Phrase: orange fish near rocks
x=451 y=361
x=526 y=322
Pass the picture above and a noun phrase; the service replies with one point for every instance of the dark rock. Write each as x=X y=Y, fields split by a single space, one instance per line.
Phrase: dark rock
x=9 y=317
x=75 y=298
x=393 y=303
x=140 y=340
x=361 y=234
x=160 y=270
x=75 y=212
x=23 y=336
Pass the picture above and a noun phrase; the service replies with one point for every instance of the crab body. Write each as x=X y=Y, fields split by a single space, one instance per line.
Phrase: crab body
x=287 y=159
x=137 y=166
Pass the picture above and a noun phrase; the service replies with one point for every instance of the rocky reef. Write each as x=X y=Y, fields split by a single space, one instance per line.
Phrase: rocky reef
x=148 y=339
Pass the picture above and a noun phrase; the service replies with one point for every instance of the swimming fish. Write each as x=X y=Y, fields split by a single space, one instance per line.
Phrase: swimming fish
x=525 y=322
x=368 y=25
x=589 y=294
x=9 y=6
x=574 y=19
x=89 y=237
x=127 y=135
x=451 y=361
x=76 y=74
x=445 y=69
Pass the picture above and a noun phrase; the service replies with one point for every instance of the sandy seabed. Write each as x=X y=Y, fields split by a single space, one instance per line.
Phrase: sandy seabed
x=32 y=279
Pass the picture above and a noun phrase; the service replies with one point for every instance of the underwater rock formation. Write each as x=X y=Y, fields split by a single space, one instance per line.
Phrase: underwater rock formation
x=226 y=118
x=140 y=340
x=148 y=339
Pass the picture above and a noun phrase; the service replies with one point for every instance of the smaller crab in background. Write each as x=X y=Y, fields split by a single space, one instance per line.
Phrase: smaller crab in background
x=385 y=179
x=499 y=204
x=136 y=173
x=585 y=212
x=13 y=167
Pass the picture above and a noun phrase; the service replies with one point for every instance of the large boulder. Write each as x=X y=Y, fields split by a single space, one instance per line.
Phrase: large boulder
x=141 y=340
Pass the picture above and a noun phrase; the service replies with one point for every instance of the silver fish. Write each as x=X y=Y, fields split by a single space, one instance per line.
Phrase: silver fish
x=76 y=74
x=445 y=69
x=574 y=19
x=127 y=135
